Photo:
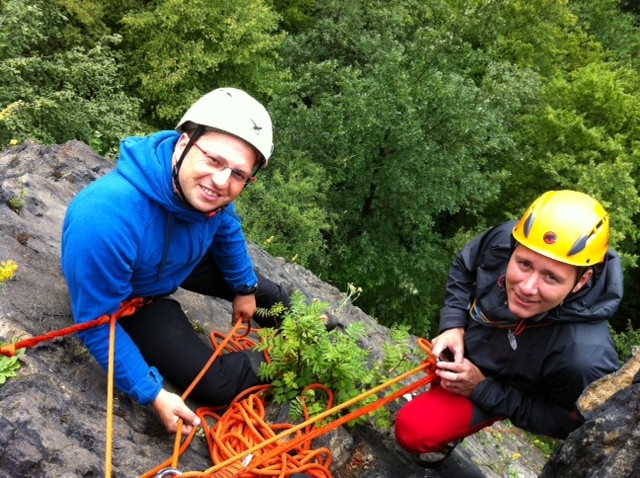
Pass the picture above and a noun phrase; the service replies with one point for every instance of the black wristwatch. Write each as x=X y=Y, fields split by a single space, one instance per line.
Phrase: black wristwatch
x=247 y=289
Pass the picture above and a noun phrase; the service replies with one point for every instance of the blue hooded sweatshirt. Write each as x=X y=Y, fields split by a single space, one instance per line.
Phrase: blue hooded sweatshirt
x=114 y=248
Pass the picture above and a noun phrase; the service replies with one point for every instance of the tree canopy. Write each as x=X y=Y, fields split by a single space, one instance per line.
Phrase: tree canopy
x=402 y=128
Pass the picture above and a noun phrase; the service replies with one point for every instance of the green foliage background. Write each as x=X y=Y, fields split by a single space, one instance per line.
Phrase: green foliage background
x=403 y=128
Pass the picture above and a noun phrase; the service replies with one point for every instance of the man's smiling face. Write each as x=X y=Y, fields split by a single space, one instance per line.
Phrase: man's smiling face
x=205 y=186
x=536 y=284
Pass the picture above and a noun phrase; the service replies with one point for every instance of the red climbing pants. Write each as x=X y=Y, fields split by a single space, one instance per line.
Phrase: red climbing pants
x=435 y=418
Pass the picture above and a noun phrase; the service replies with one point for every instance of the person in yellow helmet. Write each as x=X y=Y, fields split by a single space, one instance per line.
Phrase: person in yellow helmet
x=524 y=327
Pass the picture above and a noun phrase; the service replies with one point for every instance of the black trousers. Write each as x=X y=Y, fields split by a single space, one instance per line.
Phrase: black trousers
x=167 y=340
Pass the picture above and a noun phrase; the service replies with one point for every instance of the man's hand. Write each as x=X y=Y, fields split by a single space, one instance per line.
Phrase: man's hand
x=461 y=378
x=452 y=339
x=170 y=408
x=244 y=306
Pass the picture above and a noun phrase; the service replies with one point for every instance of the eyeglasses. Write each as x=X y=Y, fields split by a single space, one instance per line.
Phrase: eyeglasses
x=237 y=176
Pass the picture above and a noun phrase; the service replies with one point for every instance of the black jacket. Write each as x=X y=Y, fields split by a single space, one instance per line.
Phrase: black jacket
x=534 y=377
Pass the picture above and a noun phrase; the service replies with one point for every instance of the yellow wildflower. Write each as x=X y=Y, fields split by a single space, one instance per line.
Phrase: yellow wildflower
x=7 y=270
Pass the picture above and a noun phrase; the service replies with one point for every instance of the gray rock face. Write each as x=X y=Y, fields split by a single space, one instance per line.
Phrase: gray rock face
x=607 y=445
x=53 y=414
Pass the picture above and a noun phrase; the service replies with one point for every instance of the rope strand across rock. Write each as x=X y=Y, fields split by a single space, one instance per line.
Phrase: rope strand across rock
x=241 y=442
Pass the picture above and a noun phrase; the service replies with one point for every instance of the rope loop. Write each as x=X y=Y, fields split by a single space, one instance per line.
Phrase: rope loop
x=430 y=362
x=241 y=442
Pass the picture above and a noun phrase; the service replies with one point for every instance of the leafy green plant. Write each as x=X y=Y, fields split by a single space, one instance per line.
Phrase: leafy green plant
x=198 y=327
x=626 y=340
x=304 y=353
x=276 y=310
x=9 y=366
x=17 y=202
x=546 y=444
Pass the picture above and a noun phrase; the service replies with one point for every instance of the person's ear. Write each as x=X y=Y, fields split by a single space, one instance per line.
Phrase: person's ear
x=586 y=276
x=183 y=140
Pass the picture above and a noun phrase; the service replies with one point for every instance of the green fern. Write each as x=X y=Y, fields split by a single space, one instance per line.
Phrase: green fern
x=303 y=353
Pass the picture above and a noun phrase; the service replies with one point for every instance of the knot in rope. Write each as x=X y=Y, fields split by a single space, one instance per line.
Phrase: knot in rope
x=430 y=363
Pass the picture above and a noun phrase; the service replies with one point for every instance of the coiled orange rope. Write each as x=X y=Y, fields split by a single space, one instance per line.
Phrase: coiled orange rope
x=232 y=342
x=242 y=444
x=244 y=427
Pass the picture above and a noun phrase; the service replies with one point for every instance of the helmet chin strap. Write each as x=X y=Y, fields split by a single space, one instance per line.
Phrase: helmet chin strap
x=254 y=173
x=175 y=172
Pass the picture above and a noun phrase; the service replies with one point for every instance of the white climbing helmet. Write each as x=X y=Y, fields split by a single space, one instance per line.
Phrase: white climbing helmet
x=235 y=112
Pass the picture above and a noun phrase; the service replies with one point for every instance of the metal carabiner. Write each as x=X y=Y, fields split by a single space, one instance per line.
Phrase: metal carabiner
x=168 y=473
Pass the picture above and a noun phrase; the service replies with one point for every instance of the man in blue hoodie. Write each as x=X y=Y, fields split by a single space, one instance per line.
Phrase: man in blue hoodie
x=165 y=219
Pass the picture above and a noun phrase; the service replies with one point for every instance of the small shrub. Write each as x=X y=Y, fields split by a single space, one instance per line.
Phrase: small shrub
x=9 y=366
x=17 y=202
x=304 y=353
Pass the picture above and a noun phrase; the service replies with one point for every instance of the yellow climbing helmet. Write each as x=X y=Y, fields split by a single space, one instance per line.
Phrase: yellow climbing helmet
x=568 y=226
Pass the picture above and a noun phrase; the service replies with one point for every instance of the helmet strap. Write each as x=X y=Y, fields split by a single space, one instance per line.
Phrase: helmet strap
x=175 y=172
x=254 y=173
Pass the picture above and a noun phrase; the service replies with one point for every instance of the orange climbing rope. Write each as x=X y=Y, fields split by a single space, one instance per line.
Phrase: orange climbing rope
x=126 y=308
x=244 y=427
x=242 y=444
x=315 y=432
x=110 y=379
x=232 y=342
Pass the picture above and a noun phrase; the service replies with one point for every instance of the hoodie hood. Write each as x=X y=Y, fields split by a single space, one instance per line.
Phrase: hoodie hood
x=599 y=299
x=146 y=163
